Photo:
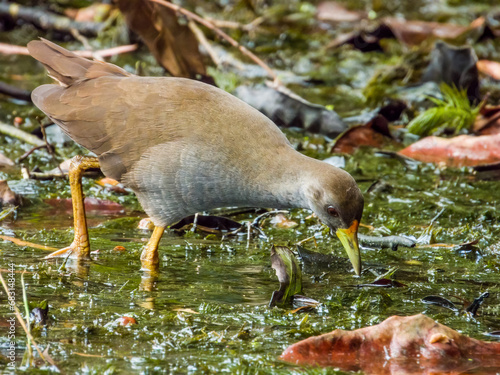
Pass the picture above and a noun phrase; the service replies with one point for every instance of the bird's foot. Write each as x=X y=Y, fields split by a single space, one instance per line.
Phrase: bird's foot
x=72 y=251
x=150 y=261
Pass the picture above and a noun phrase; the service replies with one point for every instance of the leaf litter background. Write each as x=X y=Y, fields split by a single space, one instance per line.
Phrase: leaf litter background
x=208 y=310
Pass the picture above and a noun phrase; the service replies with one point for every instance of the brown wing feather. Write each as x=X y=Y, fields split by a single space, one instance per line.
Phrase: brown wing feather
x=120 y=116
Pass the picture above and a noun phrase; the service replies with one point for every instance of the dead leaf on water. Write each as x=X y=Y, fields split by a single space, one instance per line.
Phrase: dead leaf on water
x=464 y=150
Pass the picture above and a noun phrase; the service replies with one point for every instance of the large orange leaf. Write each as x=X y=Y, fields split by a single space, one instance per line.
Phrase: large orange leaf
x=464 y=150
x=399 y=345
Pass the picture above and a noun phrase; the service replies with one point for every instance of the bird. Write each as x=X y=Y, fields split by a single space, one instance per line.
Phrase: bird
x=183 y=147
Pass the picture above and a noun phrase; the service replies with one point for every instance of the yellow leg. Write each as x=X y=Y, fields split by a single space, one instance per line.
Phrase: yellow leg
x=149 y=256
x=80 y=248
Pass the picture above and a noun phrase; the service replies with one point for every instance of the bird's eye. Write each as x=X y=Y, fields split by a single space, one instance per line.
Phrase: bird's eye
x=332 y=211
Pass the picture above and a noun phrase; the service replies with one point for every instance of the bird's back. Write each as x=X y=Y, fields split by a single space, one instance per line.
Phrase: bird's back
x=183 y=146
x=120 y=116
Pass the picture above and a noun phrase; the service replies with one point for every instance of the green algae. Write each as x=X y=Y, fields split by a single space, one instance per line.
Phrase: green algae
x=207 y=311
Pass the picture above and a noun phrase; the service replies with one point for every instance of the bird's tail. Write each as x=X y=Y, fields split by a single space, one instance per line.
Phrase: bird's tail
x=68 y=68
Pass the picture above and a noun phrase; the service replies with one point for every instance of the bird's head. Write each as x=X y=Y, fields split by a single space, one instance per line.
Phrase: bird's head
x=337 y=200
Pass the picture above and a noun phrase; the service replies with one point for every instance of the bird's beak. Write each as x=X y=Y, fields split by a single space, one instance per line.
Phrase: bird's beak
x=349 y=238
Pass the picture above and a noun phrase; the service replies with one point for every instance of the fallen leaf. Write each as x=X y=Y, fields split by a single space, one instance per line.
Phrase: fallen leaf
x=455 y=66
x=100 y=206
x=439 y=301
x=384 y=283
x=315 y=262
x=119 y=248
x=173 y=45
x=5 y=161
x=464 y=150
x=331 y=11
x=488 y=121
x=208 y=224
x=375 y=133
x=490 y=68
x=7 y=196
x=281 y=221
x=92 y=13
x=476 y=304
x=415 y=32
x=410 y=32
x=287 y=109
x=289 y=275
x=399 y=345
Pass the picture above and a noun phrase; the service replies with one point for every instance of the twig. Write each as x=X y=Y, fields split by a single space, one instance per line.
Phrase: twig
x=20 y=242
x=21 y=321
x=126 y=282
x=65 y=261
x=222 y=34
x=50 y=149
x=27 y=311
x=204 y=42
x=437 y=216
x=41 y=175
x=9 y=49
x=29 y=152
x=14 y=132
x=49 y=21
x=15 y=92
x=224 y=24
x=312 y=238
x=391 y=242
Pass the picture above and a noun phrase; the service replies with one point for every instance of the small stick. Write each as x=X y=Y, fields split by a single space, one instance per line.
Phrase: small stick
x=312 y=238
x=126 y=282
x=21 y=321
x=50 y=149
x=27 y=311
x=204 y=42
x=10 y=49
x=29 y=152
x=12 y=131
x=222 y=34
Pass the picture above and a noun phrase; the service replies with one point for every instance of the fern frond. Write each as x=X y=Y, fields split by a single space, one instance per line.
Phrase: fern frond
x=453 y=111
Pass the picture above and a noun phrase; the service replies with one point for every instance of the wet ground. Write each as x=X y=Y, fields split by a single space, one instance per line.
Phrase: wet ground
x=208 y=310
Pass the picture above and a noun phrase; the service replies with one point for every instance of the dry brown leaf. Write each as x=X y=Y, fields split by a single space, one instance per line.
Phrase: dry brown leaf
x=5 y=161
x=173 y=45
x=93 y=13
x=374 y=134
x=331 y=11
x=490 y=68
x=399 y=345
x=414 y=32
x=7 y=196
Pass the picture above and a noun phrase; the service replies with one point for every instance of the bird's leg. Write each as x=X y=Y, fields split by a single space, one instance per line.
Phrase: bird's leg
x=149 y=256
x=80 y=248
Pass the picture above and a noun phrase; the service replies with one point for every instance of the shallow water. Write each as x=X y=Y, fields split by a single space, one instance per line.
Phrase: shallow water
x=208 y=310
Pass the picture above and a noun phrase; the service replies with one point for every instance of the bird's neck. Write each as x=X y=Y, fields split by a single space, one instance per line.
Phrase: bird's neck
x=286 y=184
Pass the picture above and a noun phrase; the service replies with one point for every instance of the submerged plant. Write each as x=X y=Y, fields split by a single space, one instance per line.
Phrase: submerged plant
x=453 y=111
